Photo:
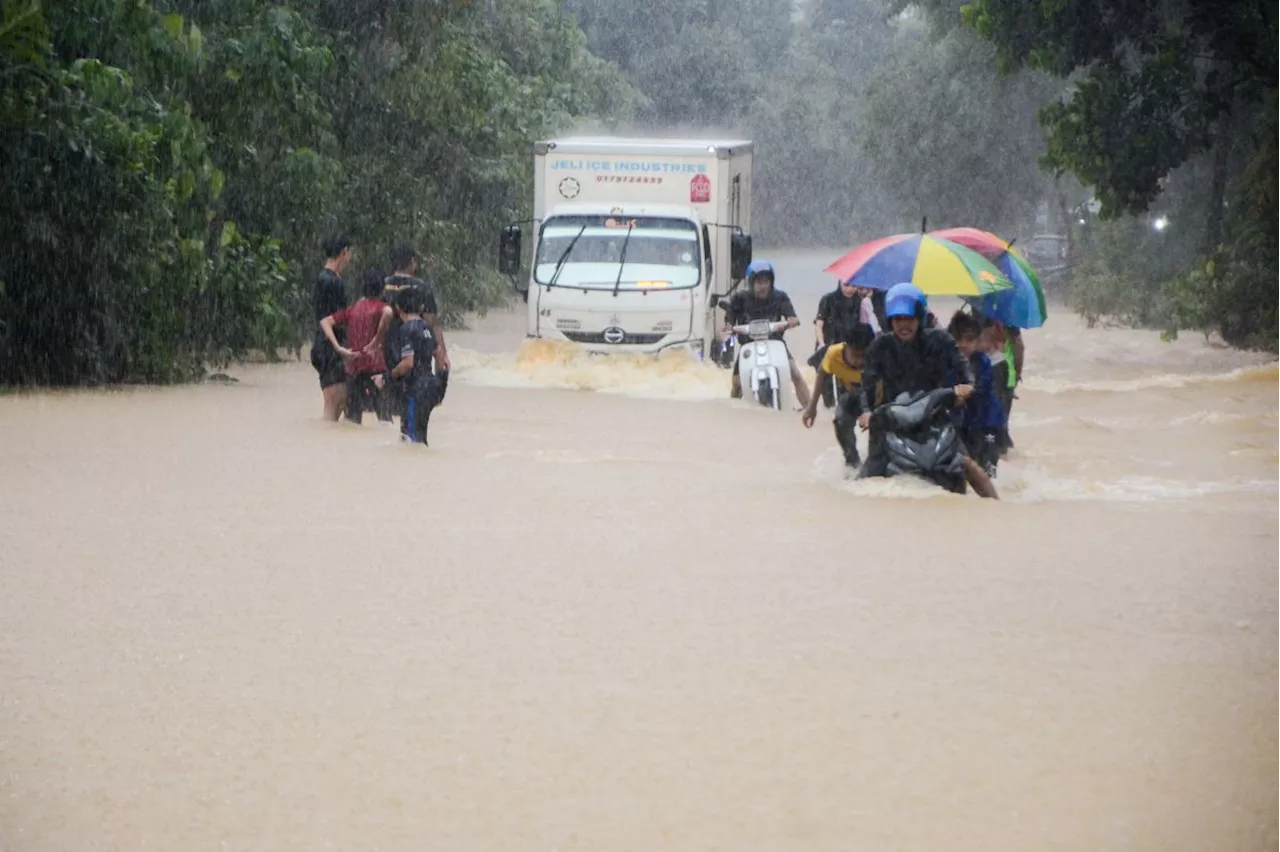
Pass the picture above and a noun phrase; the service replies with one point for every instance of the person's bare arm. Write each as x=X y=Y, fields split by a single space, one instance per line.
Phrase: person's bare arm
x=380 y=336
x=442 y=354
x=811 y=410
x=1018 y=351
x=326 y=325
x=405 y=365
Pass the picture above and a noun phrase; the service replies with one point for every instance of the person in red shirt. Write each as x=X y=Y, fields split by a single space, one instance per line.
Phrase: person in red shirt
x=366 y=323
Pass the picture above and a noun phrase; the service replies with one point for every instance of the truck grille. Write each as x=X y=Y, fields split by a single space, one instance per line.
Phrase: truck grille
x=596 y=337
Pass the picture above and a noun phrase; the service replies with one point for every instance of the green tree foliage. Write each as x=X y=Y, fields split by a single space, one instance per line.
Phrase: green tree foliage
x=1159 y=89
x=172 y=165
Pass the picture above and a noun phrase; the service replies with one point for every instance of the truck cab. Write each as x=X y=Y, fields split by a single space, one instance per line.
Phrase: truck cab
x=623 y=267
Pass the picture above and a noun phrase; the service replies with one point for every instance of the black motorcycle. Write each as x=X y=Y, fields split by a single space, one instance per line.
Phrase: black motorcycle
x=921 y=438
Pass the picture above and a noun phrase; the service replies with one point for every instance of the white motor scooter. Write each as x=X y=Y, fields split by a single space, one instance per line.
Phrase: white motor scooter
x=764 y=370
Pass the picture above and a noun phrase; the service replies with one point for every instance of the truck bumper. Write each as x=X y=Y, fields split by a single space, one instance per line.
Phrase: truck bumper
x=647 y=344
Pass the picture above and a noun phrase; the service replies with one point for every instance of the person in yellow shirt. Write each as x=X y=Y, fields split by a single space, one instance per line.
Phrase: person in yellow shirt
x=843 y=362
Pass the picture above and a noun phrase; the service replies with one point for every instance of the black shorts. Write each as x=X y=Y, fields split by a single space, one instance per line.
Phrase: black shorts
x=328 y=364
x=363 y=395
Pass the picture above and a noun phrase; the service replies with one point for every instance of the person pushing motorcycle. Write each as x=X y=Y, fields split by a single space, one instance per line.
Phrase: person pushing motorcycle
x=761 y=300
x=912 y=358
x=843 y=362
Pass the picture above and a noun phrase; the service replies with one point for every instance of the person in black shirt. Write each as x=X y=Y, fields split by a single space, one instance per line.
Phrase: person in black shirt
x=839 y=312
x=328 y=297
x=422 y=388
x=404 y=260
x=912 y=358
x=761 y=300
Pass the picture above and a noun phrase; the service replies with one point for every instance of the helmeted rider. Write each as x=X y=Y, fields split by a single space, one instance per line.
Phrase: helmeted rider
x=761 y=300
x=912 y=358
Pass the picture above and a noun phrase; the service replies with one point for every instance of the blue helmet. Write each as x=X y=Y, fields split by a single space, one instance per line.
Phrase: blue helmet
x=760 y=267
x=905 y=300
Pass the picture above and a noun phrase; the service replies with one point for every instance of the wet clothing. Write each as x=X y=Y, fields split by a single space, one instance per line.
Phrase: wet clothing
x=839 y=314
x=983 y=409
x=892 y=367
x=833 y=364
x=392 y=285
x=848 y=410
x=327 y=363
x=328 y=296
x=981 y=419
x=363 y=395
x=922 y=365
x=415 y=339
x=361 y=324
x=421 y=388
x=419 y=405
x=744 y=307
x=1007 y=388
x=828 y=389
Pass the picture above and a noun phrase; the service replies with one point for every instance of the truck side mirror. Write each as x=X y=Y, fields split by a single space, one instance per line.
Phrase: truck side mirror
x=739 y=255
x=509 y=251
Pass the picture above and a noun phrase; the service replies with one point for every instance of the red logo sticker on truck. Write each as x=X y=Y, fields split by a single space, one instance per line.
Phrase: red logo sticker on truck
x=700 y=189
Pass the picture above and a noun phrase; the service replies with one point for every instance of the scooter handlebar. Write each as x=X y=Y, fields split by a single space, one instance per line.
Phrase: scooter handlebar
x=774 y=327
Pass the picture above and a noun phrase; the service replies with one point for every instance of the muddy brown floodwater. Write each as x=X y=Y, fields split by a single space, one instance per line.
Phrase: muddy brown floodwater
x=609 y=609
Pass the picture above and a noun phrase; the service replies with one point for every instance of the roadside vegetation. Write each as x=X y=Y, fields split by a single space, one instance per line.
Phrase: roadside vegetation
x=170 y=166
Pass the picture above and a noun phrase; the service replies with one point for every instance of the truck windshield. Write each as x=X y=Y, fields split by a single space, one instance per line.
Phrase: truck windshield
x=661 y=253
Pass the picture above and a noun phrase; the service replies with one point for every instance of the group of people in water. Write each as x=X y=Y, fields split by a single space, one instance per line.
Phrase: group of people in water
x=872 y=346
x=385 y=353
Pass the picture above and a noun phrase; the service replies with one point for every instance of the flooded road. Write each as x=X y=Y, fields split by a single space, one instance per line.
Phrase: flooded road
x=609 y=609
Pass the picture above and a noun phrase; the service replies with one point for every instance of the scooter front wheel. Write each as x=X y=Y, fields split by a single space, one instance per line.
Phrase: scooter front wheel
x=765 y=394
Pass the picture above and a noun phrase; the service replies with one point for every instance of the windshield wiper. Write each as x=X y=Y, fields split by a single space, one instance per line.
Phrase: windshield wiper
x=622 y=260
x=564 y=257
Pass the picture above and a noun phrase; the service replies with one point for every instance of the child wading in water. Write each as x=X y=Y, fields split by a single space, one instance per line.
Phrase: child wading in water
x=423 y=388
x=366 y=324
x=981 y=419
x=843 y=361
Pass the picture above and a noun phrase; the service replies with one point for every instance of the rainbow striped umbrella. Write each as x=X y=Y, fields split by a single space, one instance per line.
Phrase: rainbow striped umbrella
x=1002 y=253
x=936 y=266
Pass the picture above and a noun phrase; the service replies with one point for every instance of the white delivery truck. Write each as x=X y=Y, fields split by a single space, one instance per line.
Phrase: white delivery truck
x=636 y=241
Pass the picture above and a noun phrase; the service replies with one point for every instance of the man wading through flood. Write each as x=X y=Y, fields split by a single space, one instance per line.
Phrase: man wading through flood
x=328 y=297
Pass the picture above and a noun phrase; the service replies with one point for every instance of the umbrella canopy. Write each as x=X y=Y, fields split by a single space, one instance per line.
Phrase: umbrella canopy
x=1019 y=306
x=994 y=247
x=936 y=266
